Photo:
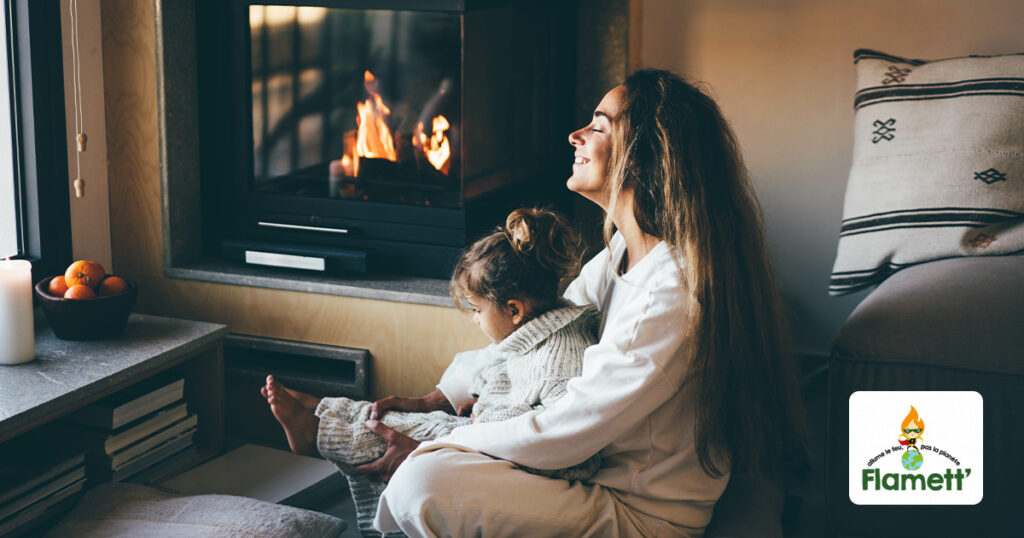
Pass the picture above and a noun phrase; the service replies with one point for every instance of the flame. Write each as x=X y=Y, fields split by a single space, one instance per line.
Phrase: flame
x=374 y=138
x=437 y=148
x=912 y=418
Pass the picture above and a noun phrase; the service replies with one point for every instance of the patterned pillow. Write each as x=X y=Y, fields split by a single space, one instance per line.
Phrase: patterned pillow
x=938 y=164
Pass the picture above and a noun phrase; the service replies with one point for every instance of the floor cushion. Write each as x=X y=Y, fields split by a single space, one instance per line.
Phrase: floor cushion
x=131 y=510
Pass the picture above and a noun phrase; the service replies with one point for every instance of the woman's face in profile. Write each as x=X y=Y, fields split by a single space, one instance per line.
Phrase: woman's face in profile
x=593 y=145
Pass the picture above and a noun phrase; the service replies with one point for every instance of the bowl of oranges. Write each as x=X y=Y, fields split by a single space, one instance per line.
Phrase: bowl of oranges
x=85 y=303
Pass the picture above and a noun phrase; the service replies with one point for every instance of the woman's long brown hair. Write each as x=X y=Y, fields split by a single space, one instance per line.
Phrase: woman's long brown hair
x=674 y=149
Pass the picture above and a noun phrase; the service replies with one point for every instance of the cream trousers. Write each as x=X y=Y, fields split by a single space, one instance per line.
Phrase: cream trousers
x=444 y=490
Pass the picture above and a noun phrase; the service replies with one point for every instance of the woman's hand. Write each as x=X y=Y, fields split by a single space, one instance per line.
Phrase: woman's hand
x=435 y=401
x=466 y=409
x=399 y=448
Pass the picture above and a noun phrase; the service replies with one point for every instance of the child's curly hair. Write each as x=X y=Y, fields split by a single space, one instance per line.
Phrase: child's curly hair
x=533 y=257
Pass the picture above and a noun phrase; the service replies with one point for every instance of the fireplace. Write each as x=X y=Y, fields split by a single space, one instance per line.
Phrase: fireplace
x=378 y=136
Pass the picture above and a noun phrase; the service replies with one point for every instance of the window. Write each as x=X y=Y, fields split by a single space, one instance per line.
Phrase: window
x=34 y=216
x=9 y=229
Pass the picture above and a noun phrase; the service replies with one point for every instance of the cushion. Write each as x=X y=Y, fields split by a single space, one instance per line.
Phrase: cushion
x=946 y=325
x=938 y=164
x=132 y=510
x=961 y=313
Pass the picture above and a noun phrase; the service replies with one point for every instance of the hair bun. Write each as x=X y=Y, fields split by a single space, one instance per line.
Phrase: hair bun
x=531 y=257
x=546 y=237
x=519 y=226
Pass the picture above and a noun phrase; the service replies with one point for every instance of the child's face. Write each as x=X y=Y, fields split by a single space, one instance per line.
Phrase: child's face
x=912 y=431
x=495 y=322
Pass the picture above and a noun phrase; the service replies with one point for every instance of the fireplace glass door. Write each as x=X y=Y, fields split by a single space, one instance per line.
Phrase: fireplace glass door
x=378 y=135
x=356 y=104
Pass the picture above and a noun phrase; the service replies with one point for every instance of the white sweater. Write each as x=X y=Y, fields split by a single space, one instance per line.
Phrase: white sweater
x=630 y=403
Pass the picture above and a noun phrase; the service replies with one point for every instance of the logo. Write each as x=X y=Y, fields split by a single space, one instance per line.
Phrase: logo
x=913 y=427
x=894 y=462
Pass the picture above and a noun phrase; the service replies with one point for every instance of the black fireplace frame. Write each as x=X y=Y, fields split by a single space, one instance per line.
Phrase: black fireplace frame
x=421 y=241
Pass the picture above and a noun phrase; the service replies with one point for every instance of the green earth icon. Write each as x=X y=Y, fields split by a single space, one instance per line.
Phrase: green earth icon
x=912 y=460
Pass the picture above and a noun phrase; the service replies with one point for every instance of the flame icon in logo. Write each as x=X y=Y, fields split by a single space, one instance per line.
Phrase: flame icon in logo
x=911 y=431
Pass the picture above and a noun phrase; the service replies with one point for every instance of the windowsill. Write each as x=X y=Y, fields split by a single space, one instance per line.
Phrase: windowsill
x=402 y=289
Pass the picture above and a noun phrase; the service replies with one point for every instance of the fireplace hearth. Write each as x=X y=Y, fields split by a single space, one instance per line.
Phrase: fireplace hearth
x=378 y=136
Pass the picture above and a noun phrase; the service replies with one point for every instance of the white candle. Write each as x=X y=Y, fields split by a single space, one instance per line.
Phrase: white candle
x=17 y=330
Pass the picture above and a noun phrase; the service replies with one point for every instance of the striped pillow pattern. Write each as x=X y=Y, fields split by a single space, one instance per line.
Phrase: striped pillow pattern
x=938 y=164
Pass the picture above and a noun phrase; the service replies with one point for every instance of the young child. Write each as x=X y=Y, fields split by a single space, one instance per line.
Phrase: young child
x=513 y=279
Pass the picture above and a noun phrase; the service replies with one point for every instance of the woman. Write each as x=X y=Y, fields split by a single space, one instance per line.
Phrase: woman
x=689 y=380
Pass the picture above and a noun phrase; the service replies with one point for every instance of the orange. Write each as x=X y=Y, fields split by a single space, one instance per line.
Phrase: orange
x=58 y=287
x=79 y=291
x=84 y=272
x=112 y=285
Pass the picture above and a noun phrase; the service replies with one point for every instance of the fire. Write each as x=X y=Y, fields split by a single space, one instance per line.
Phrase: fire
x=374 y=138
x=437 y=147
x=912 y=418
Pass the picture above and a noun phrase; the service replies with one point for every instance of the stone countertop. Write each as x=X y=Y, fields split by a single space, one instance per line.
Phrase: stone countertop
x=67 y=374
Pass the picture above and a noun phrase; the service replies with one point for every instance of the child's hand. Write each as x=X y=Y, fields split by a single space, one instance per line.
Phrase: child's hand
x=435 y=401
x=395 y=403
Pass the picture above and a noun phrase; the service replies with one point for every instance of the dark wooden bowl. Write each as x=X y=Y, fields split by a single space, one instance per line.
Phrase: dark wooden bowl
x=87 y=319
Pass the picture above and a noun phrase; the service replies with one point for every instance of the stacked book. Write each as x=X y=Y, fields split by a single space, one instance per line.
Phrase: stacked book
x=39 y=479
x=136 y=434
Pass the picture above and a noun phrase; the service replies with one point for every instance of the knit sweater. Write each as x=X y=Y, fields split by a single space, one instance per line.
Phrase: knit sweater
x=343 y=440
x=534 y=363
x=527 y=370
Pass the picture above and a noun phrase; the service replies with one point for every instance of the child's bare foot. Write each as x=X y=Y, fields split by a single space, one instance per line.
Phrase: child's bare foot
x=300 y=424
x=305 y=400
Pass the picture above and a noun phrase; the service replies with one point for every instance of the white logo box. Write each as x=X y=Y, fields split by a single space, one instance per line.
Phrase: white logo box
x=953 y=432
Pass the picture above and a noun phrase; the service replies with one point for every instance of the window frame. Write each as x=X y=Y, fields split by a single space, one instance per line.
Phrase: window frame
x=7 y=145
x=39 y=134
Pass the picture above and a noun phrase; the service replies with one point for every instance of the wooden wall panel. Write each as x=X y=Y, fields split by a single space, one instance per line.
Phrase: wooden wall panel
x=133 y=168
x=410 y=344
